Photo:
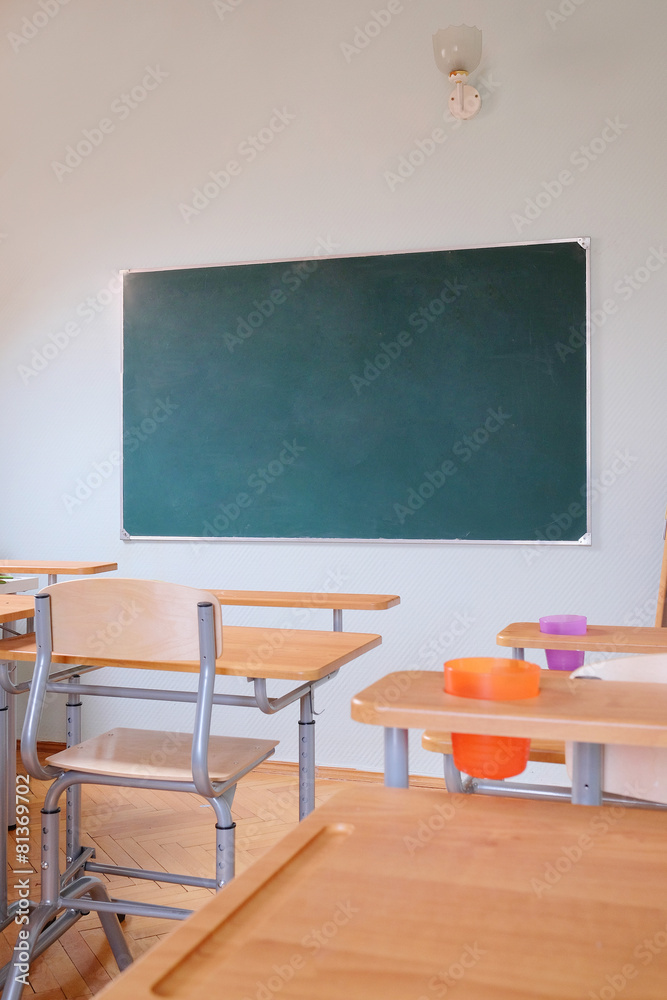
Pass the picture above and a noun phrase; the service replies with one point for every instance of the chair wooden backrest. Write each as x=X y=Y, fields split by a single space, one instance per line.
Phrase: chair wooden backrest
x=661 y=612
x=128 y=619
x=637 y=772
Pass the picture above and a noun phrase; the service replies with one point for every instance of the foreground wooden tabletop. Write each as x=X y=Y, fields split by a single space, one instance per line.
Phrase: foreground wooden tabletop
x=392 y=894
x=589 y=711
x=598 y=638
x=288 y=654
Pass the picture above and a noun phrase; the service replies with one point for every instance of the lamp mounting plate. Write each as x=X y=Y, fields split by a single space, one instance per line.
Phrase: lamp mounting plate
x=464 y=102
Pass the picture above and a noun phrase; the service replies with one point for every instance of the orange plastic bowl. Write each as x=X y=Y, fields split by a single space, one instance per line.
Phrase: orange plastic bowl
x=493 y=679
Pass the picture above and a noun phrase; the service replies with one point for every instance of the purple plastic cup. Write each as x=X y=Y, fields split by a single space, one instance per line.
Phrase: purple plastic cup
x=564 y=659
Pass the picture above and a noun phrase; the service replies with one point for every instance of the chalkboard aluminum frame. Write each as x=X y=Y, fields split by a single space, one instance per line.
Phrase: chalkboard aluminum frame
x=585 y=539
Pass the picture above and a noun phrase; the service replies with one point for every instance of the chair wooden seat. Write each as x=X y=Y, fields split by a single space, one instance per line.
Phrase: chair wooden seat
x=167 y=756
x=544 y=751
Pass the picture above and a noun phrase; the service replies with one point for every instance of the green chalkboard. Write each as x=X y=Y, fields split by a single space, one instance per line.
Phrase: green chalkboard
x=439 y=395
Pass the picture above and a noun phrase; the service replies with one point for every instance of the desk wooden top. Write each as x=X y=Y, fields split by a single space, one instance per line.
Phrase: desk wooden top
x=598 y=638
x=14 y=607
x=299 y=599
x=396 y=894
x=57 y=567
x=589 y=711
x=287 y=654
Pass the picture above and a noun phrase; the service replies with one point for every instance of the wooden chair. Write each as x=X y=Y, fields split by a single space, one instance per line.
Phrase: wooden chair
x=126 y=623
x=630 y=771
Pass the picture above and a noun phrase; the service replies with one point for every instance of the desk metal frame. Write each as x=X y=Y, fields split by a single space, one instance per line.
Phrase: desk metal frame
x=637 y=721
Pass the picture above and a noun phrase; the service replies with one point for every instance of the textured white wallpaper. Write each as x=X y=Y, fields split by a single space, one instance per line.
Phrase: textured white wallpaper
x=119 y=125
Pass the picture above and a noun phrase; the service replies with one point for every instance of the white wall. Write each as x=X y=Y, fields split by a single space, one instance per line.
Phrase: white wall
x=551 y=82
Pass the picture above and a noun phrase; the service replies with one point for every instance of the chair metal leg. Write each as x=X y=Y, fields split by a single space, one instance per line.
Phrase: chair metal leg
x=31 y=941
x=225 y=838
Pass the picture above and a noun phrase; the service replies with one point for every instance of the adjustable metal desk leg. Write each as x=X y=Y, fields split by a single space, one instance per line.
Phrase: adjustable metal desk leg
x=396 y=766
x=306 y=756
x=338 y=619
x=587 y=774
x=73 y=807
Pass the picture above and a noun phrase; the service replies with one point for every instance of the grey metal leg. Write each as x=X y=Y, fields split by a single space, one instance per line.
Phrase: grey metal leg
x=453 y=780
x=587 y=774
x=4 y=770
x=225 y=835
x=338 y=619
x=224 y=854
x=396 y=758
x=306 y=756
x=73 y=801
x=518 y=654
x=11 y=754
x=50 y=903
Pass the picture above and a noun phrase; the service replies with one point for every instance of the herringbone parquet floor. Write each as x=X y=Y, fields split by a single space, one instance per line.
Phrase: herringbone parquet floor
x=161 y=831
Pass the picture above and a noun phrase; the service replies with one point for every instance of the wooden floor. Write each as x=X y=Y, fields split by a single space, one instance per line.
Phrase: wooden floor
x=160 y=831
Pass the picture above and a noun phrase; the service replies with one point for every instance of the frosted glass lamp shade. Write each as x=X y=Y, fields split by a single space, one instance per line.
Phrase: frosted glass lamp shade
x=457 y=49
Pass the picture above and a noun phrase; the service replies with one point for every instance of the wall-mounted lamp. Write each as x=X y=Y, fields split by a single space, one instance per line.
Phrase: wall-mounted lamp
x=457 y=51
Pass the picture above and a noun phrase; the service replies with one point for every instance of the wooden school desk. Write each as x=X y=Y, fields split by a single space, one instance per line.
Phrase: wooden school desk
x=598 y=638
x=305 y=656
x=587 y=712
x=387 y=894
x=53 y=567
x=15 y=607
x=299 y=599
